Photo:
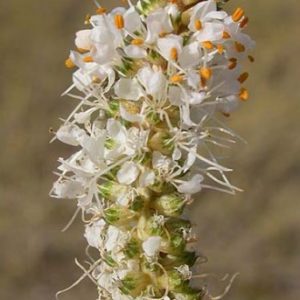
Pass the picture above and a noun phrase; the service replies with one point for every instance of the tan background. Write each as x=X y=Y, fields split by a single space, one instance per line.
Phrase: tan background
x=255 y=233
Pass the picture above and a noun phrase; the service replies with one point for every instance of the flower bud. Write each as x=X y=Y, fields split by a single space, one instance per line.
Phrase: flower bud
x=169 y=205
x=110 y=190
x=134 y=283
x=185 y=258
x=161 y=141
x=118 y=215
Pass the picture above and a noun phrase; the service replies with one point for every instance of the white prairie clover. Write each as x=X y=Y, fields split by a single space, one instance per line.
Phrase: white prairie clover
x=150 y=82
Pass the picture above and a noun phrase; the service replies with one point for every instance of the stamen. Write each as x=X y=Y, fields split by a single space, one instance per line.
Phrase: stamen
x=232 y=63
x=137 y=42
x=198 y=25
x=243 y=77
x=220 y=49
x=226 y=35
x=251 y=58
x=208 y=45
x=88 y=59
x=176 y=78
x=69 y=63
x=244 y=22
x=205 y=73
x=244 y=94
x=119 y=21
x=101 y=10
x=87 y=20
x=238 y=14
x=239 y=47
x=174 y=54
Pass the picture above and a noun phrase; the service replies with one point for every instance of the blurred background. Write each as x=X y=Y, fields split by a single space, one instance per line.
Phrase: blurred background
x=255 y=233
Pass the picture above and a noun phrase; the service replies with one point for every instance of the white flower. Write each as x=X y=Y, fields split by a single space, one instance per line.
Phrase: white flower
x=93 y=233
x=154 y=81
x=192 y=186
x=83 y=39
x=128 y=89
x=152 y=245
x=146 y=178
x=170 y=46
x=158 y=22
x=128 y=173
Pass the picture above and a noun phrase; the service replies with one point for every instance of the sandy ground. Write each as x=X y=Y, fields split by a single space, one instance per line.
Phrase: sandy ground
x=255 y=233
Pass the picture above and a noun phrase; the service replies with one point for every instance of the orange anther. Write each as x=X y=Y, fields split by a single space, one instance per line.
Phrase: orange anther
x=88 y=59
x=243 y=77
x=208 y=45
x=137 y=42
x=251 y=58
x=198 y=25
x=176 y=78
x=220 y=49
x=119 y=21
x=232 y=63
x=174 y=54
x=205 y=73
x=69 y=63
x=244 y=22
x=244 y=94
x=226 y=35
x=101 y=10
x=239 y=47
x=238 y=14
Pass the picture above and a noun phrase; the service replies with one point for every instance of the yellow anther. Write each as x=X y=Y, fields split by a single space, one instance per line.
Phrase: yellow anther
x=87 y=19
x=81 y=50
x=220 y=49
x=88 y=59
x=244 y=22
x=96 y=79
x=208 y=45
x=176 y=78
x=137 y=42
x=101 y=10
x=119 y=21
x=244 y=94
x=69 y=63
x=205 y=73
x=243 y=77
x=174 y=54
x=238 y=14
x=239 y=47
x=232 y=63
x=198 y=25
x=251 y=58
x=226 y=35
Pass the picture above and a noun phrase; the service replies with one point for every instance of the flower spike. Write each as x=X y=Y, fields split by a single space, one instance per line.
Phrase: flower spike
x=152 y=82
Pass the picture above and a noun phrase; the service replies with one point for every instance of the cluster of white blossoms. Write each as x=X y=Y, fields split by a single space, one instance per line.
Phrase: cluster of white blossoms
x=151 y=80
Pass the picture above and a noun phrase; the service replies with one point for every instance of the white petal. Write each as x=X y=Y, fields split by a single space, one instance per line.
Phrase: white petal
x=132 y=20
x=133 y=118
x=135 y=51
x=166 y=44
x=153 y=81
x=70 y=134
x=93 y=233
x=83 y=40
x=192 y=186
x=158 y=22
x=210 y=32
x=147 y=178
x=175 y=95
x=68 y=189
x=151 y=246
x=128 y=89
x=128 y=173
x=190 y=55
